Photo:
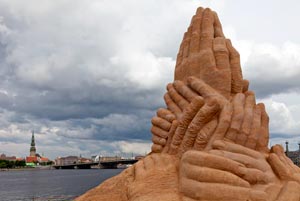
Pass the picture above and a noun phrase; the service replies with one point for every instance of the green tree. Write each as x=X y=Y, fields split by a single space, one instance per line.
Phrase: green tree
x=3 y=164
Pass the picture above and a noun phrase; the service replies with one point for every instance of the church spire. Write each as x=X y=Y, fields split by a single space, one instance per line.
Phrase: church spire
x=32 y=146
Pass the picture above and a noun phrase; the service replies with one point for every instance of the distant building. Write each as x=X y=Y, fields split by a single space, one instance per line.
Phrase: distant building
x=66 y=160
x=70 y=160
x=85 y=160
x=110 y=158
x=293 y=155
x=32 y=159
x=7 y=158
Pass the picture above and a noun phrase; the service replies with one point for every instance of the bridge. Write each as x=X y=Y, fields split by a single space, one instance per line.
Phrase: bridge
x=109 y=164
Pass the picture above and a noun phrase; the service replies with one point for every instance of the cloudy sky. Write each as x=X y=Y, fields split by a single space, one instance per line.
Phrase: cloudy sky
x=87 y=76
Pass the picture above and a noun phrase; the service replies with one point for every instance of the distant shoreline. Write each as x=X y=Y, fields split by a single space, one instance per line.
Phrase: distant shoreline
x=29 y=168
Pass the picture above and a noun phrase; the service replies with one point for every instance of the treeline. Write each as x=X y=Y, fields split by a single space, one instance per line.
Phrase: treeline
x=12 y=164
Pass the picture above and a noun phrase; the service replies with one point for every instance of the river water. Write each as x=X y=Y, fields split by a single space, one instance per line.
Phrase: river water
x=54 y=185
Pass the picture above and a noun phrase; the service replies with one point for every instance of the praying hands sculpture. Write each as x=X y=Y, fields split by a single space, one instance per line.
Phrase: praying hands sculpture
x=210 y=143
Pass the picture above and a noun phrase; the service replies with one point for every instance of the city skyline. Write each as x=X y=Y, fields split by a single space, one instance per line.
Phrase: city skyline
x=88 y=77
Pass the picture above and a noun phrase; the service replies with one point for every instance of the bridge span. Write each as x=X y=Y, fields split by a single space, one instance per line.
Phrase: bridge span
x=109 y=164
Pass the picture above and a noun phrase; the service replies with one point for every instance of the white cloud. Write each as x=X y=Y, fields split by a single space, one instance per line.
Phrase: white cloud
x=141 y=148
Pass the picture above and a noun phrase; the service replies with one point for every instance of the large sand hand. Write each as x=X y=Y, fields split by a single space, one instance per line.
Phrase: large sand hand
x=288 y=172
x=277 y=176
x=249 y=124
x=282 y=165
x=196 y=118
x=206 y=54
x=164 y=124
x=213 y=176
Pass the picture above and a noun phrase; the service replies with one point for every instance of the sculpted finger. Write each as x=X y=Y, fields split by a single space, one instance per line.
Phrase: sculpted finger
x=203 y=174
x=248 y=161
x=223 y=124
x=180 y=101
x=245 y=85
x=237 y=117
x=248 y=116
x=236 y=70
x=221 y=54
x=207 y=29
x=263 y=141
x=172 y=106
x=184 y=91
x=165 y=114
x=158 y=140
x=217 y=26
x=278 y=150
x=170 y=136
x=289 y=192
x=186 y=43
x=203 y=159
x=156 y=148
x=205 y=134
x=254 y=133
x=204 y=115
x=207 y=191
x=184 y=48
x=253 y=176
x=200 y=86
x=278 y=166
x=223 y=66
x=235 y=148
x=159 y=132
x=196 y=27
x=161 y=123
x=187 y=117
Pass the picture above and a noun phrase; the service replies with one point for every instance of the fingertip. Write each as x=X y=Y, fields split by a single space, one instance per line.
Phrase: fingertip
x=249 y=93
x=207 y=10
x=159 y=111
x=277 y=149
x=261 y=105
x=199 y=10
x=228 y=42
x=245 y=85
x=166 y=96
x=169 y=86
x=156 y=148
x=177 y=82
x=219 y=144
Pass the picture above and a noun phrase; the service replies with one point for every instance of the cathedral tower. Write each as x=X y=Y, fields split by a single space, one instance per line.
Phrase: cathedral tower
x=32 y=146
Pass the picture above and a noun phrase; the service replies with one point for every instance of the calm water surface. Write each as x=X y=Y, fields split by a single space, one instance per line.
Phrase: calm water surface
x=42 y=185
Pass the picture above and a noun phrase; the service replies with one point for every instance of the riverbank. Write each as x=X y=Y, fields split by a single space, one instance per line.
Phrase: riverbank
x=27 y=168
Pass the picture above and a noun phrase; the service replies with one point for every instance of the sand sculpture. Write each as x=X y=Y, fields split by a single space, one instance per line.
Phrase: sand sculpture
x=211 y=140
